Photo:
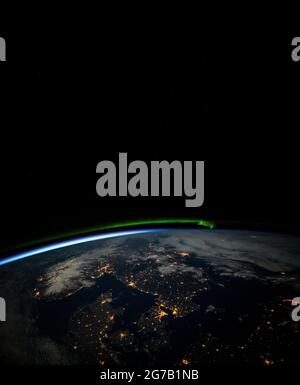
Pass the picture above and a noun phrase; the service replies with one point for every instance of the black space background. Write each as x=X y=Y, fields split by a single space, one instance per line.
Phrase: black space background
x=71 y=99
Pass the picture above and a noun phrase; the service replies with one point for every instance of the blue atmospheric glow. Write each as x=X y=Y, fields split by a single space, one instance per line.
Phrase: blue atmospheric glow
x=72 y=242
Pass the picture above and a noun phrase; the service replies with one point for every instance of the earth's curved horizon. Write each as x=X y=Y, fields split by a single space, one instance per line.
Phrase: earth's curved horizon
x=176 y=297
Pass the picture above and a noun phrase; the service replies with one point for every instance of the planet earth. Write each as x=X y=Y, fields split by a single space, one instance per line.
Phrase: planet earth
x=174 y=297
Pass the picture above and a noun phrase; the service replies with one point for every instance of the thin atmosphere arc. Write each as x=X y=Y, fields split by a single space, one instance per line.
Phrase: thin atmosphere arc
x=72 y=242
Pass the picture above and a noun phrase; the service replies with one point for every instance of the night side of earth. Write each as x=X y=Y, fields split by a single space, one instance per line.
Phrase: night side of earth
x=164 y=298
